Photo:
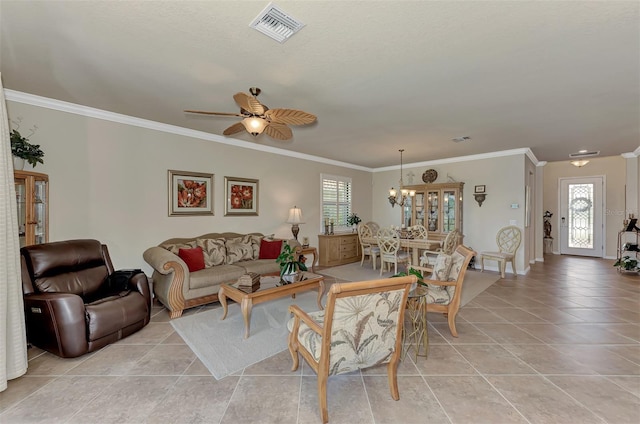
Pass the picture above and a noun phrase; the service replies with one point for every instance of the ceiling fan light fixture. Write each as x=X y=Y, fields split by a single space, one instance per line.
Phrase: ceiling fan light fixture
x=254 y=125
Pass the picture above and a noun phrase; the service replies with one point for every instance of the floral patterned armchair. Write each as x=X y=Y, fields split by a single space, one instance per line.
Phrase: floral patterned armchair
x=360 y=327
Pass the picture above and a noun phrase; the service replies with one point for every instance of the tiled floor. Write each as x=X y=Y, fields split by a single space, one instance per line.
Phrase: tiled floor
x=560 y=345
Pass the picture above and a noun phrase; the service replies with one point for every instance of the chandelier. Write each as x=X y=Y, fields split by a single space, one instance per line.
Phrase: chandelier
x=399 y=197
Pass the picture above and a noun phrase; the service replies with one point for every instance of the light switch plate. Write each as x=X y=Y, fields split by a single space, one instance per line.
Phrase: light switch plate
x=513 y=222
x=515 y=206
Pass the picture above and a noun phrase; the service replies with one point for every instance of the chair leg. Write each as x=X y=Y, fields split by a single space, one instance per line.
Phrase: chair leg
x=392 y=376
x=362 y=260
x=451 y=320
x=293 y=349
x=503 y=266
x=513 y=265
x=481 y=263
x=381 y=266
x=322 y=398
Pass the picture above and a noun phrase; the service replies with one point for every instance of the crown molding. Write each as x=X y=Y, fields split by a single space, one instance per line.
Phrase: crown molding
x=59 y=105
x=631 y=155
x=491 y=155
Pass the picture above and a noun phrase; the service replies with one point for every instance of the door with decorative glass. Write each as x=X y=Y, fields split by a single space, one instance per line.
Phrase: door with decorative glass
x=581 y=216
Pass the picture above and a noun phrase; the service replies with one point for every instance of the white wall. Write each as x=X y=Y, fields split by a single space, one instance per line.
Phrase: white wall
x=108 y=181
x=504 y=181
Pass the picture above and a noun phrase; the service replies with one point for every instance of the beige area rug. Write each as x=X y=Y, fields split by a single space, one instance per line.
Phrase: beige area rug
x=475 y=282
x=221 y=345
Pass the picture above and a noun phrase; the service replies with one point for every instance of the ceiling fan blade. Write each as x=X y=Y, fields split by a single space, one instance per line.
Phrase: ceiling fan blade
x=278 y=131
x=235 y=128
x=289 y=116
x=202 y=112
x=249 y=103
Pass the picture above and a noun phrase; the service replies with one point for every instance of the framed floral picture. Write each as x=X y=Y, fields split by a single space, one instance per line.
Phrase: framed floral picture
x=241 y=196
x=190 y=193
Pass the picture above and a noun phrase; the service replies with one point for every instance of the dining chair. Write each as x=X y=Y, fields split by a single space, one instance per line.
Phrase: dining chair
x=448 y=246
x=390 y=252
x=419 y=232
x=374 y=226
x=360 y=327
x=508 y=240
x=373 y=251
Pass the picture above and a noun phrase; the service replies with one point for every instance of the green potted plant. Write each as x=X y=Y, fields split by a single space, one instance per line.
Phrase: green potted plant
x=353 y=219
x=290 y=265
x=21 y=148
x=627 y=263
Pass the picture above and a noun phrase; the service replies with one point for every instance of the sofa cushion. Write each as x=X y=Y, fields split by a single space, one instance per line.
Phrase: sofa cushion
x=239 y=249
x=175 y=247
x=270 y=249
x=255 y=244
x=215 y=276
x=112 y=314
x=214 y=251
x=193 y=258
x=260 y=266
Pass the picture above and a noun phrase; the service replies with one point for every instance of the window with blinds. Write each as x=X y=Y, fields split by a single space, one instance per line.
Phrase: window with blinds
x=336 y=201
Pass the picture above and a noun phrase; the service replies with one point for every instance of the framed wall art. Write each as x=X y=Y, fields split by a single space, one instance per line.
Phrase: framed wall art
x=190 y=193
x=480 y=189
x=241 y=196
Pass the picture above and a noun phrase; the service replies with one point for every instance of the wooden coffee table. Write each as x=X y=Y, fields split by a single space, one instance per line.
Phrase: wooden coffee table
x=270 y=289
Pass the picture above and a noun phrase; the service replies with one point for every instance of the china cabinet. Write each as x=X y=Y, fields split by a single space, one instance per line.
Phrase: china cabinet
x=32 y=196
x=437 y=207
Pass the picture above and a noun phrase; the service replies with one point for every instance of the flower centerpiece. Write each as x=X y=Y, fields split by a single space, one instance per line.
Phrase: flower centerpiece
x=290 y=263
x=353 y=219
x=21 y=148
x=627 y=263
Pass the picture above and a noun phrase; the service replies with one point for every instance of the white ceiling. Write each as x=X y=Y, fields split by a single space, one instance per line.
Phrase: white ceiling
x=552 y=76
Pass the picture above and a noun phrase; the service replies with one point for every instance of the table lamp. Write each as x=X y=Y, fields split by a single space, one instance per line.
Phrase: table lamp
x=295 y=218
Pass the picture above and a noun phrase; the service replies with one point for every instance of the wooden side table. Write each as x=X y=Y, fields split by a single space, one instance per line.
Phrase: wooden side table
x=311 y=251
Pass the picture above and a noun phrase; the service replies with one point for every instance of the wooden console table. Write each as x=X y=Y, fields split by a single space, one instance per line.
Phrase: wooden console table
x=339 y=249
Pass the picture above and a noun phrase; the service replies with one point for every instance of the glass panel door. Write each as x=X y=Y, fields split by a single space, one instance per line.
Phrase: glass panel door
x=419 y=208
x=21 y=199
x=432 y=210
x=581 y=216
x=40 y=212
x=449 y=211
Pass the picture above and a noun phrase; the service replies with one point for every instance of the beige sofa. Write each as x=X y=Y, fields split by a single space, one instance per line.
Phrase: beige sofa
x=227 y=256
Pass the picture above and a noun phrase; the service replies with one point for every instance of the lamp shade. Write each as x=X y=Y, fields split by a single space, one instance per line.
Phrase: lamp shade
x=295 y=216
x=254 y=125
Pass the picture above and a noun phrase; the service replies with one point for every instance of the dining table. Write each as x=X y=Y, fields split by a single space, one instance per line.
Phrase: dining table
x=414 y=244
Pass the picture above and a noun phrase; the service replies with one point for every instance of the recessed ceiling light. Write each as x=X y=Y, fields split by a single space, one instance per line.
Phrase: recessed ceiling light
x=459 y=139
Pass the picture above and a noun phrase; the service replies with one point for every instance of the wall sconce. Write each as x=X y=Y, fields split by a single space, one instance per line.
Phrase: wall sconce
x=480 y=194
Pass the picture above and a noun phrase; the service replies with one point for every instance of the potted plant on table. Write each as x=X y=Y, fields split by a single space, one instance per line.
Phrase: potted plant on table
x=353 y=220
x=22 y=149
x=291 y=263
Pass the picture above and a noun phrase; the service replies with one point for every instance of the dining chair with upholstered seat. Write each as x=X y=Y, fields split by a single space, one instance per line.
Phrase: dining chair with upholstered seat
x=368 y=249
x=361 y=326
x=448 y=246
x=390 y=252
x=508 y=240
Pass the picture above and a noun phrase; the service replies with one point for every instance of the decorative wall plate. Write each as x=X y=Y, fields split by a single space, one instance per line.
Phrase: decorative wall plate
x=429 y=176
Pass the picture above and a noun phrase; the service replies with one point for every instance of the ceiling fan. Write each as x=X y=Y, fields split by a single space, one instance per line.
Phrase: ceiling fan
x=258 y=118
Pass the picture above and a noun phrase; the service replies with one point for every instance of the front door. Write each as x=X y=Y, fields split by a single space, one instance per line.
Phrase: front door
x=581 y=216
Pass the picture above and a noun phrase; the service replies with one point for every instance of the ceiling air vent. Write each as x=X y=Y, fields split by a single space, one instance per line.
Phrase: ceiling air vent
x=275 y=23
x=583 y=154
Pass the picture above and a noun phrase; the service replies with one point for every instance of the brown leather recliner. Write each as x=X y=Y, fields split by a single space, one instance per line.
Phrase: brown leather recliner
x=70 y=307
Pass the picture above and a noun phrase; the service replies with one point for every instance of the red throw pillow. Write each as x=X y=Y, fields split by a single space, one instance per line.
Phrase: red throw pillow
x=270 y=249
x=193 y=258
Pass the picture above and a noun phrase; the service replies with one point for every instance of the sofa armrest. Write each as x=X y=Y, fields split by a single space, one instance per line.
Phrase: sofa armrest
x=56 y=323
x=173 y=280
